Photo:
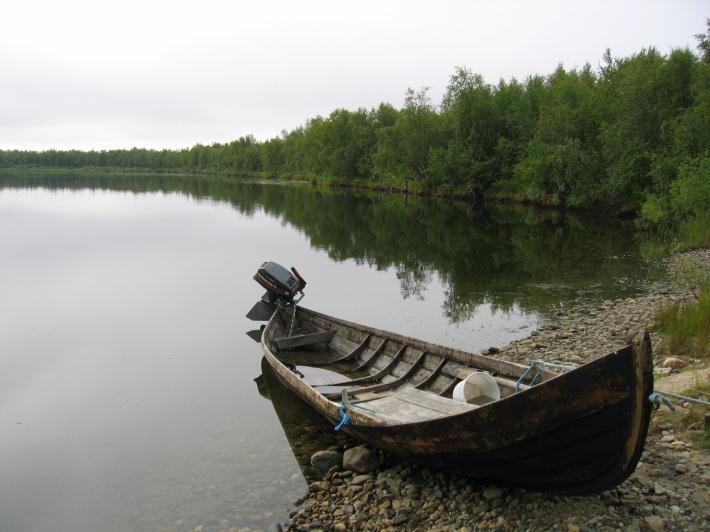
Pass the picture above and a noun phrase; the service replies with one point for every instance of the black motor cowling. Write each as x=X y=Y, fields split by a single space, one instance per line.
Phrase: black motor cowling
x=277 y=279
x=281 y=286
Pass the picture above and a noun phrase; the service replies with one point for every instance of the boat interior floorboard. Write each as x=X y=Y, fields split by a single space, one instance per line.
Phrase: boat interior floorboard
x=408 y=404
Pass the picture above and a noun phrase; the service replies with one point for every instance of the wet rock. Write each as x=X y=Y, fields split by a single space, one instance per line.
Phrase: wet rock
x=361 y=459
x=324 y=460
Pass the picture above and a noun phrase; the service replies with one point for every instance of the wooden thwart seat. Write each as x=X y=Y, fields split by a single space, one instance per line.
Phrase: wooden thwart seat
x=300 y=340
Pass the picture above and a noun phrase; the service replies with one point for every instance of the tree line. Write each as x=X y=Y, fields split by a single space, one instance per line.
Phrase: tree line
x=631 y=136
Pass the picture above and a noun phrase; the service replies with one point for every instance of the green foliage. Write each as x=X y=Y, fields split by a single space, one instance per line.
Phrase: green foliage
x=687 y=327
x=653 y=211
x=690 y=193
x=403 y=149
x=693 y=233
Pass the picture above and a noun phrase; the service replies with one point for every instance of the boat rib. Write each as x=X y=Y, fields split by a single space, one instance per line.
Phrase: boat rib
x=370 y=378
x=387 y=385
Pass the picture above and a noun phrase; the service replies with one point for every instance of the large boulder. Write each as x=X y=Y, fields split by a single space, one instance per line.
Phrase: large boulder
x=324 y=460
x=674 y=363
x=361 y=459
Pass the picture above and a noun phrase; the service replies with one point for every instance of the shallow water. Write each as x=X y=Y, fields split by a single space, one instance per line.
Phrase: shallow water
x=127 y=394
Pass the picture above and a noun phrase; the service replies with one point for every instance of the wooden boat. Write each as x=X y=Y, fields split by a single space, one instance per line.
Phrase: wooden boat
x=579 y=432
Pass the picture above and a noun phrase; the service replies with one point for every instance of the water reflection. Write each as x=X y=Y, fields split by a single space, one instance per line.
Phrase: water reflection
x=511 y=258
x=306 y=431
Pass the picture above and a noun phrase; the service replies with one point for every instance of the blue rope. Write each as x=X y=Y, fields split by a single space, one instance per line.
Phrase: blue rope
x=657 y=399
x=345 y=418
x=537 y=374
x=525 y=374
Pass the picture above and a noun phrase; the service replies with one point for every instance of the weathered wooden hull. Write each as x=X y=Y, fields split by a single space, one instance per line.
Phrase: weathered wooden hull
x=579 y=432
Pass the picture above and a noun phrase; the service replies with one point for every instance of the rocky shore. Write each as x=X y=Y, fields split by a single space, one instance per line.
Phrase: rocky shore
x=668 y=491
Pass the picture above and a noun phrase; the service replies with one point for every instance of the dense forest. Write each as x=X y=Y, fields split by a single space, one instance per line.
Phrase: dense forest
x=632 y=136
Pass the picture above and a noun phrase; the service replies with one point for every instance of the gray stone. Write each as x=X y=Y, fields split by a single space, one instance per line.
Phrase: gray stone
x=360 y=479
x=319 y=486
x=400 y=519
x=324 y=460
x=655 y=523
x=675 y=363
x=361 y=459
x=659 y=490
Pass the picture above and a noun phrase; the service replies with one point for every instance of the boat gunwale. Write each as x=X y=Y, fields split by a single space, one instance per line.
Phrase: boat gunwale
x=359 y=417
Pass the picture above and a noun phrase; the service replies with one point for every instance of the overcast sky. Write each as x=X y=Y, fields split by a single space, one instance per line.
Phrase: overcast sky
x=154 y=73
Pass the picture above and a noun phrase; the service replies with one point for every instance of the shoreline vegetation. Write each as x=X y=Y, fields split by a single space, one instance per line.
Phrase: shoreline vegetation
x=694 y=233
x=628 y=138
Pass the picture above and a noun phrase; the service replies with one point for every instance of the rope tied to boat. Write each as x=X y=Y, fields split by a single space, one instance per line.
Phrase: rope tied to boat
x=657 y=399
x=537 y=364
x=525 y=374
x=539 y=361
x=344 y=420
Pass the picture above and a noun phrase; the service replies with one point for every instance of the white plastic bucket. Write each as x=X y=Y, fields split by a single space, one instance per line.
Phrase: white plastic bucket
x=477 y=388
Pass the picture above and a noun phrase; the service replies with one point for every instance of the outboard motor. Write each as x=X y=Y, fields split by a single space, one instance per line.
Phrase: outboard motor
x=282 y=287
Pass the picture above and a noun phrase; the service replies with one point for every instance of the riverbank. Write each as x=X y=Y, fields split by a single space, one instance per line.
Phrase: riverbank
x=692 y=234
x=670 y=489
x=419 y=188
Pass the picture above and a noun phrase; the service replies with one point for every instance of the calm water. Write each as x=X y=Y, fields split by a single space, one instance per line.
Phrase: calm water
x=127 y=393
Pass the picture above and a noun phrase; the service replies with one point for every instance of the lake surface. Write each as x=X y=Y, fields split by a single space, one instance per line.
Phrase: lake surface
x=127 y=393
